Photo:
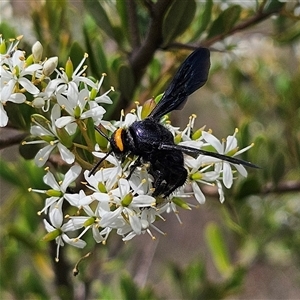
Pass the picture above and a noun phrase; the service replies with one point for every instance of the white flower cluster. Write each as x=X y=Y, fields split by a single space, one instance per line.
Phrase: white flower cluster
x=109 y=199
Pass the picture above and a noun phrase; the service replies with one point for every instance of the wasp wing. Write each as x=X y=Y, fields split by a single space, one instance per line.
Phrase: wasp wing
x=191 y=75
x=196 y=152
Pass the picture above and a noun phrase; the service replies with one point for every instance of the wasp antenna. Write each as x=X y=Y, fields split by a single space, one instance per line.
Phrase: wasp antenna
x=95 y=167
x=101 y=132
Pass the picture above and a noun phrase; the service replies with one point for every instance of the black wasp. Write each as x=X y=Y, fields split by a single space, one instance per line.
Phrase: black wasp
x=152 y=142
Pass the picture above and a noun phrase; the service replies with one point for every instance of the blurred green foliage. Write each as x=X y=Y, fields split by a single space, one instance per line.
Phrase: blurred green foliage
x=131 y=41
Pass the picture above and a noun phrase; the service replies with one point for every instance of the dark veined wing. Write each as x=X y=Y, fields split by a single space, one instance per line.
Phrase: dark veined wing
x=196 y=152
x=191 y=75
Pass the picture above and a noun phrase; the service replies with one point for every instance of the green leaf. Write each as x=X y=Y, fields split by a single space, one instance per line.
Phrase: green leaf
x=248 y=186
x=129 y=289
x=273 y=6
x=76 y=54
x=177 y=19
x=121 y=7
x=126 y=81
x=218 y=249
x=99 y=14
x=204 y=18
x=236 y=280
x=225 y=21
x=289 y=35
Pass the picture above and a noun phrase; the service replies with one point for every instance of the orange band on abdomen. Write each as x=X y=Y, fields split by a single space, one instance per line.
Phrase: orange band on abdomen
x=118 y=139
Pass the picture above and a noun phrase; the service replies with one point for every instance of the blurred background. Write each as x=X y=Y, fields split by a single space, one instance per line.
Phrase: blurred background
x=245 y=248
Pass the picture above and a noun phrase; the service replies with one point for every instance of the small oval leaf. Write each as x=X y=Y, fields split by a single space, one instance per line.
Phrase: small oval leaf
x=218 y=248
x=225 y=21
x=177 y=19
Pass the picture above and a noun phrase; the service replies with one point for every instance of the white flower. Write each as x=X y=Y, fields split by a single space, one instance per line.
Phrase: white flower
x=6 y=57
x=128 y=207
x=225 y=148
x=79 y=200
x=14 y=83
x=104 y=97
x=75 y=105
x=58 y=228
x=14 y=75
x=63 y=81
x=49 y=135
x=58 y=188
x=109 y=175
x=91 y=221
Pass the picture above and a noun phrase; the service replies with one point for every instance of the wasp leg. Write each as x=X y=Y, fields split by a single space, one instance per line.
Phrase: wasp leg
x=134 y=166
x=168 y=172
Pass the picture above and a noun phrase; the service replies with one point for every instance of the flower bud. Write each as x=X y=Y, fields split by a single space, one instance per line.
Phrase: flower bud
x=38 y=102
x=127 y=200
x=37 y=51
x=197 y=134
x=54 y=193
x=40 y=120
x=196 y=176
x=64 y=137
x=177 y=138
x=101 y=187
x=50 y=65
x=52 y=235
x=77 y=112
x=179 y=202
x=3 y=47
x=69 y=68
x=93 y=93
x=89 y=222
x=29 y=60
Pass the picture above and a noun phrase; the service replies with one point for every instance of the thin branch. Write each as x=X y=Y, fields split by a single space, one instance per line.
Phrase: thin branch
x=259 y=17
x=141 y=57
x=10 y=137
x=282 y=187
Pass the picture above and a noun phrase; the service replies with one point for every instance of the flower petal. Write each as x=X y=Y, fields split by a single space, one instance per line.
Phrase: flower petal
x=43 y=155
x=3 y=116
x=227 y=175
x=70 y=176
x=66 y=154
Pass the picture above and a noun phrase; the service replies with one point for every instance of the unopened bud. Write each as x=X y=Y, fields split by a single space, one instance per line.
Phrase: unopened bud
x=50 y=65
x=197 y=134
x=127 y=200
x=89 y=222
x=50 y=236
x=64 y=137
x=101 y=187
x=2 y=47
x=196 y=176
x=69 y=68
x=177 y=138
x=179 y=202
x=54 y=193
x=37 y=51
x=38 y=102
